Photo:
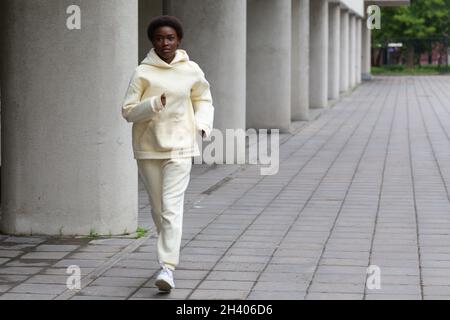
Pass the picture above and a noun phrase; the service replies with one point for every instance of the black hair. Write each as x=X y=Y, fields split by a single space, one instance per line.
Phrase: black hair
x=165 y=21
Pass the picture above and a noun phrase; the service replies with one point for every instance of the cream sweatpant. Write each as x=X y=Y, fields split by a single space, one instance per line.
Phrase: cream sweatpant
x=166 y=181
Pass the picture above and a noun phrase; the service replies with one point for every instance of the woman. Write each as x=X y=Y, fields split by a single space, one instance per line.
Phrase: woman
x=169 y=102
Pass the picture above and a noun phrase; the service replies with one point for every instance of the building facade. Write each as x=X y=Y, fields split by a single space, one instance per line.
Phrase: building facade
x=67 y=165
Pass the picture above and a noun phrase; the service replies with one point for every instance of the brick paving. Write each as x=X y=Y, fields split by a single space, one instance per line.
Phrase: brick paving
x=366 y=183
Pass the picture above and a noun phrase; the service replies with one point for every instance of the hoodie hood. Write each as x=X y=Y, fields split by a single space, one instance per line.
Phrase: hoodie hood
x=154 y=60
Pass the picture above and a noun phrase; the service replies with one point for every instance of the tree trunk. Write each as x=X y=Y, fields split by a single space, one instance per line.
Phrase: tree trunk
x=410 y=57
x=445 y=52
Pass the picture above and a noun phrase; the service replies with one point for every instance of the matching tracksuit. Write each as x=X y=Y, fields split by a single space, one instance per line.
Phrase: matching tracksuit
x=164 y=138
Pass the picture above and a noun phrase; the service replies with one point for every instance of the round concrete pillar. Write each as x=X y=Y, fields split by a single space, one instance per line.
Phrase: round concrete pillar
x=358 y=49
x=215 y=38
x=67 y=166
x=147 y=11
x=366 y=47
x=352 y=66
x=318 y=55
x=300 y=60
x=334 y=51
x=345 y=52
x=269 y=64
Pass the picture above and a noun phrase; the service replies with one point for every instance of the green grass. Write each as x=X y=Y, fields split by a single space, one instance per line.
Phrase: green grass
x=92 y=235
x=141 y=232
x=397 y=69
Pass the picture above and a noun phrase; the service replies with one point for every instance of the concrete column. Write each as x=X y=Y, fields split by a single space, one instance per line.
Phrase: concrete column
x=352 y=65
x=318 y=55
x=67 y=164
x=334 y=49
x=358 y=49
x=300 y=60
x=269 y=64
x=215 y=38
x=147 y=11
x=345 y=52
x=366 y=55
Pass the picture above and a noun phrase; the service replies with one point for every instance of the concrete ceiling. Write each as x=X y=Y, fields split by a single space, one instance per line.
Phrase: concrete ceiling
x=388 y=3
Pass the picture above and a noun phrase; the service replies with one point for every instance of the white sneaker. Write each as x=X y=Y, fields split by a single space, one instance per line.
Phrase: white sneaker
x=164 y=280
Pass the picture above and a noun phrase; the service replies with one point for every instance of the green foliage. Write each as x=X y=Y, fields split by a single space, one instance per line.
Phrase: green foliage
x=93 y=234
x=422 y=19
x=416 y=25
x=400 y=70
x=141 y=232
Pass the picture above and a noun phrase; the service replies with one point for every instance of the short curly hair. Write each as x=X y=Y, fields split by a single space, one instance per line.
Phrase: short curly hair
x=164 y=21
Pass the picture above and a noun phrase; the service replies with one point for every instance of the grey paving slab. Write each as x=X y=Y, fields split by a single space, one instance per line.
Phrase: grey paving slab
x=239 y=266
x=89 y=298
x=154 y=294
x=129 y=273
x=45 y=255
x=28 y=263
x=333 y=296
x=107 y=291
x=63 y=271
x=433 y=297
x=233 y=276
x=276 y=295
x=101 y=248
x=25 y=296
x=19 y=270
x=23 y=240
x=12 y=278
x=111 y=242
x=119 y=282
x=191 y=274
x=10 y=253
x=39 y=288
x=226 y=285
x=397 y=289
x=179 y=283
x=91 y=255
x=337 y=288
x=5 y=287
x=393 y=297
x=48 y=279
x=438 y=290
x=89 y=263
x=365 y=183
x=14 y=246
x=56 y=247
x=219 y=294
x=281 y=286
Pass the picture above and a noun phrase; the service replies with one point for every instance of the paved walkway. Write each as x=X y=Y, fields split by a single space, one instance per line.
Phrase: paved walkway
x=366 y=184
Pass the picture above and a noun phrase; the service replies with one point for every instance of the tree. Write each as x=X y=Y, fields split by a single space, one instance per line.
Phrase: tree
x=416 y=26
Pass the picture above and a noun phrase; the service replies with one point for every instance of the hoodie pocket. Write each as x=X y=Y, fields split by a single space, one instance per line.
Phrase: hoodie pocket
x=172 y=134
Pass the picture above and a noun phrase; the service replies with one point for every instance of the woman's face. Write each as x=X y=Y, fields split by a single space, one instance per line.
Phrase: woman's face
x=166 y=42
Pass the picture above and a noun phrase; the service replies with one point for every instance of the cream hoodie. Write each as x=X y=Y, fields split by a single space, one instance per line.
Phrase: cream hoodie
x=169 y=132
